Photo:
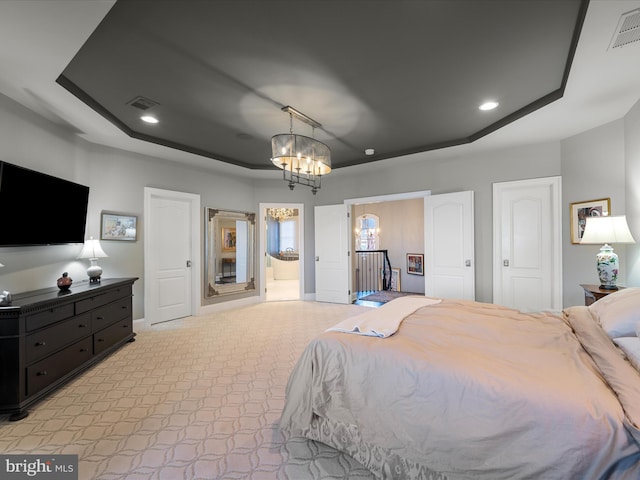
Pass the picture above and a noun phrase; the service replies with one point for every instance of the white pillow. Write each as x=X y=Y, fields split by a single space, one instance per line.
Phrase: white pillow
x=631 y=347
x=619 y=312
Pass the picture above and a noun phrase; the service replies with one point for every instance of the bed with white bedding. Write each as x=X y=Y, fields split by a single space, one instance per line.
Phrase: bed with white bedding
x=468 y=390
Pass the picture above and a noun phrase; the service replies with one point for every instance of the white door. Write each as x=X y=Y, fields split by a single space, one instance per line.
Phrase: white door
x=527 y=253
x=170 y=255
x=449 y=263
x=332 y=254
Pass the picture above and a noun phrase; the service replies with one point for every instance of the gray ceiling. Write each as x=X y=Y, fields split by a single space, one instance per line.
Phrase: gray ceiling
x=397 y=76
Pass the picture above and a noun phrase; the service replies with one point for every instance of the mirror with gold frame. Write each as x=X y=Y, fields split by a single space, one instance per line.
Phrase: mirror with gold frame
x=230 y=252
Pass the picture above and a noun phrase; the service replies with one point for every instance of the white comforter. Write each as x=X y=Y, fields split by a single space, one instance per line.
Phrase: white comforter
x=467 y=390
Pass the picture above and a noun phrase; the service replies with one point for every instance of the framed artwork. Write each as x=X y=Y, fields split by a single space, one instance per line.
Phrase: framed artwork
x=395 y=279
x=415 y=262
x=581 y=210
x=118 y=226
x=228 y=239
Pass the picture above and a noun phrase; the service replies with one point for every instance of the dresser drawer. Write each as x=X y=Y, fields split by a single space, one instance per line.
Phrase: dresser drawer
x=111 y=335
x=48 y=340
x=104 y=316
x=49 y=316
x=102 y=299
x=45 y=372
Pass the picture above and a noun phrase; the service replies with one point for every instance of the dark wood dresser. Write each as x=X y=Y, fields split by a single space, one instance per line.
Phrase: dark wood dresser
x=47 y=337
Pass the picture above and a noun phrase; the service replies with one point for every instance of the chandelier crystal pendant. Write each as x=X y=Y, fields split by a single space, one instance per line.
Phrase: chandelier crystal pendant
x=303 y=160
x=281 y=214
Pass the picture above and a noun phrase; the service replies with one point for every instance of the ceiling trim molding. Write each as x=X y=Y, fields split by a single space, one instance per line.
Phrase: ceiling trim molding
x=81 y=95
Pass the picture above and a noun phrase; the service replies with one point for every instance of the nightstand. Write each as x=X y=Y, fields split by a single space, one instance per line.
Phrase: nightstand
x=593 y=293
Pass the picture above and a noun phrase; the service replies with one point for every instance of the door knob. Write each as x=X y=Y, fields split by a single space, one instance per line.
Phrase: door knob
x=505 y=263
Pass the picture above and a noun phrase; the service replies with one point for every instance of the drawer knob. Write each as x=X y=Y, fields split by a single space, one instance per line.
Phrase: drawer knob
x=101 y=339
x=42 y=373
x=100 y=318
x=84 y=350
x=40 y=344
x=82 y=325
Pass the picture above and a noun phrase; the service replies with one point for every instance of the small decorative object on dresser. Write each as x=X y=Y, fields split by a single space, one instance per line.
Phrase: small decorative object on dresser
x=64 y=282
x=5 y=298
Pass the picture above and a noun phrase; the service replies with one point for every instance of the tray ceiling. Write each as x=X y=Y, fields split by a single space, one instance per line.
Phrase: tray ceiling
x=399 y=77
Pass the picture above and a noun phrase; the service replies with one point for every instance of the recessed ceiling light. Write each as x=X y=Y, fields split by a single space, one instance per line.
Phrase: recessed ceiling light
x=369 y=151
x=149 y=119
x=488 y=105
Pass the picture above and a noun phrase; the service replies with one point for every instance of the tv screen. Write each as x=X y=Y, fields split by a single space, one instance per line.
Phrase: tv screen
x=39 y=209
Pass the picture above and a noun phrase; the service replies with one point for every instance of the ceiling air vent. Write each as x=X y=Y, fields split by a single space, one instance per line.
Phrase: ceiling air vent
x=142 y=103
x=628 y=29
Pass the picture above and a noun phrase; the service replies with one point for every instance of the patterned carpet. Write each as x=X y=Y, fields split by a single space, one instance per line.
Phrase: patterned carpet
x=197 y=398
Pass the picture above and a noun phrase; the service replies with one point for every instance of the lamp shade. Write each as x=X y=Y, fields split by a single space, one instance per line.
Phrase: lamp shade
x=607 y=230
x=304 y=155
x=92 y=249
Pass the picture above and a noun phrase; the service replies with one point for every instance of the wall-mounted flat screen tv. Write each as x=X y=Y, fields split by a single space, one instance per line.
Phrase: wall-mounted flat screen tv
x=40 y=209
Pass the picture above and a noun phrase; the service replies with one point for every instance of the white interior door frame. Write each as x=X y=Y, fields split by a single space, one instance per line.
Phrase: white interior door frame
x=387 y=198
x=195 y=234
x=350 y=202
x=263 y=244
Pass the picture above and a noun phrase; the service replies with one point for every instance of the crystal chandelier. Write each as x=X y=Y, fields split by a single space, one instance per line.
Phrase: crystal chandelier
x=281 y=214
x=303 y=160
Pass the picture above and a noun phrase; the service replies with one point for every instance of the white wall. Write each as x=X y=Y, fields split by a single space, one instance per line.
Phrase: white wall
x=593 y=167
x=632 y=189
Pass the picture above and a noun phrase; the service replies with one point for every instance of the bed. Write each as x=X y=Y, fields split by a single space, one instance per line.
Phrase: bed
x=455 y=389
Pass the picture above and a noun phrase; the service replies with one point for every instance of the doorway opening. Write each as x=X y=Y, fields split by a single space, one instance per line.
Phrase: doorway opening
x=283 y=251
x=385 y=229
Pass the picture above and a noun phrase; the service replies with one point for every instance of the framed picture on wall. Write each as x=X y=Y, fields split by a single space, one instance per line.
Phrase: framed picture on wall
x=581 y=210
x=415 y=262
x=228 y=239
x=118 y=226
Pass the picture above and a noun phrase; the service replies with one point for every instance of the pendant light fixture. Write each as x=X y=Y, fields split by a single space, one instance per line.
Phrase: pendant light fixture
x=303 y=160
